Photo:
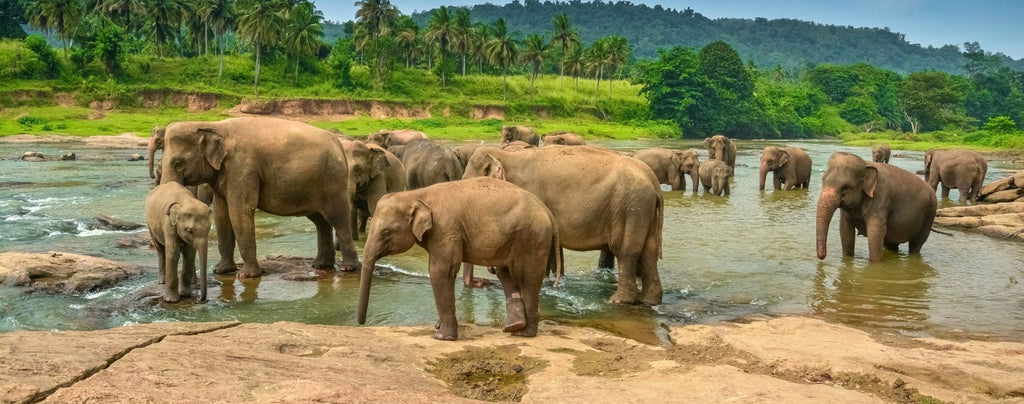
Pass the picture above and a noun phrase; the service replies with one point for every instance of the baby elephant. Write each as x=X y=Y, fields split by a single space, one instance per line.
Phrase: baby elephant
x=481 y=221
x=179 y=224
x=714 y=176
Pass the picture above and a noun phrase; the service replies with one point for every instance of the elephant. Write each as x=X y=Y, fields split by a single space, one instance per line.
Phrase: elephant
x=369 y=177
x=428 y=163
x=398 y=150
x=464 y=152
x=601 y=201
x=179 y=225
x=525 y=133
x=33 y=156
x=516 y=145
x=672 y=166
x=880 y=153
x=481 y=221
x=886 y=203
x=281 y=167
x=790 y=167
x=961 y=169
x=563 y=138
x=156 y=141
x=722 y=148
x=388 y=138
x=714 y=177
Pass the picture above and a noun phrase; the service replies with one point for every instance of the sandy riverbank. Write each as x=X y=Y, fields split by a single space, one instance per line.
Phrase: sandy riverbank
x=790 y=359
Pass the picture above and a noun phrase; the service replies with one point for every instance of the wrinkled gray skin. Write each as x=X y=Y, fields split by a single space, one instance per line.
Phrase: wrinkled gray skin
x=516 y=145
x=601 y=201
x=397 y=150
x=179 y=225
x=563 y=138
x=281 y=167
x=428 y=163
x=464 y=152
x=881 y=153
x=886 y=203
x=388 y=138
x=527 y=134
x=714 y=177
x=790 y=167
x=722 y=148
x=367 y=178
x=156 y=141
x=672 y=166
x=455 y=222
x=959 y=169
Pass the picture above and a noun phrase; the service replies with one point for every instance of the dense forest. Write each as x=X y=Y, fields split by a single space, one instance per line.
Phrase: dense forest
x=795 y=45
x=456 y=57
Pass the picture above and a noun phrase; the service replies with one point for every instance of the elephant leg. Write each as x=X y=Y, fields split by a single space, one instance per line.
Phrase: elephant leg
x=650 y=280
x=894 y=247
x=776 y=181
x=945 y=191
x=161 y=261
x=606 y=260
x=338 y=216
x=529 y=287
x=225 y=237
x=876 y=238
x=515 y=308
x=847 y=234
x=626 y=291
x=964 y=187
x=918 y=240
x=171 y=294
x=469 y=281
x=442 y=281
x=245 y=235
x=324 y=256
x=187 y=276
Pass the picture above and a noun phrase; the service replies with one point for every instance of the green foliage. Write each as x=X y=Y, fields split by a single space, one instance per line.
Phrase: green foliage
x=111 y=44
x=28 y=120
x=1000 y=125
x=12 y=15
x=932 y=100
x=340 y=62
x=47 y=57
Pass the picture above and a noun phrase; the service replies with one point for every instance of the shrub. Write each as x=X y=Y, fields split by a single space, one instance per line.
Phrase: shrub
x=1000 y=124
x=29 y=120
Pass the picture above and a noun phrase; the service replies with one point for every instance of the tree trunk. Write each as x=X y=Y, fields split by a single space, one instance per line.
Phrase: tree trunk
x=463 y=65
x=220 y=50
x=256 y=77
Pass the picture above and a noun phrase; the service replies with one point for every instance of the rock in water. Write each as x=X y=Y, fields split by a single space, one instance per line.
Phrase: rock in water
x=109 y=223
x=64 y=272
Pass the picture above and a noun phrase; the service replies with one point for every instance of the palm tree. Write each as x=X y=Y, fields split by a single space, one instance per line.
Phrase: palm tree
x=59 y=15
x=596 y=59
x=502 y=51
x=565 y=35
x=261 y=22
x=407 y=36
x=122 y=10
x=304 y=33
x=441 y=29
x=480 y=36
x=463 y=40
x=165 y=20
x=378 y=17
x=618 y=54
x=220 y=14
x=535 y=50
x=360 y=41
x=575 y=63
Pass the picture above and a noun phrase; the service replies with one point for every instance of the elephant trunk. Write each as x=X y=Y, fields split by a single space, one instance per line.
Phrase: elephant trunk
x=763 y=174
x=366 y=275
x=150 y=152
x=201 y=247
x=694 y=175
x=828 y=202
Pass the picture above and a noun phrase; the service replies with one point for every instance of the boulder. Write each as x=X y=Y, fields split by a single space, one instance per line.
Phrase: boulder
x=33 y=156
x=996 y=186
x=1008 y=195
x=109 y=223
x=69 y=156
x=981 y=210
x=63 y=272
x=136 y=157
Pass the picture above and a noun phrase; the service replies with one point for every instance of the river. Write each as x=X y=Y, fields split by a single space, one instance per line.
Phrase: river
x=725 y=259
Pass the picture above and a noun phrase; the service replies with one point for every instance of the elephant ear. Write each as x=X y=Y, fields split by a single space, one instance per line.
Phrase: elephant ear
x=422 y=219
x=378 y=162
x=707 y=142
x=870 y=180
x=783 y=158
x=212 y=144
x=172 y=214
x=494 y=168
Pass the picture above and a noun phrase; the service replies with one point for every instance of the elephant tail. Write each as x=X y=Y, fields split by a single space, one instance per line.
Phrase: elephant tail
x=655 y=231
x=555 y=262
x=942 y=232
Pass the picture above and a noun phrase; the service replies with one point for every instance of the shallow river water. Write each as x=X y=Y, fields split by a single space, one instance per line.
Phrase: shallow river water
x=725 y=258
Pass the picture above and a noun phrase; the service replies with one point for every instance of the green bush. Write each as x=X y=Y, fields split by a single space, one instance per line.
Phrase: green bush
x=49 y=66
x=1000 y=124
x=29 y=120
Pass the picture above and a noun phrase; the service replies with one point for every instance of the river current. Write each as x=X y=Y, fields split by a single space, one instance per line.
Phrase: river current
x=725 y=259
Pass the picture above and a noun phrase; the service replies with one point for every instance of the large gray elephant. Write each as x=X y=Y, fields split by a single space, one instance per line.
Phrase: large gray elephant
x=481 y=221
x=714 y=176
x=281 y=167
x=156 y=141
x=464 y=152
x=722 y=148
x=790 y=167
x=428 y=163
x=887 y=203
x=527 y=134
x=563 y=138
x=179 y=225
x=601 y=201
x=881 y=153
x=959 y=169
x=368 y=179
x=671 y=166
x=388 y=138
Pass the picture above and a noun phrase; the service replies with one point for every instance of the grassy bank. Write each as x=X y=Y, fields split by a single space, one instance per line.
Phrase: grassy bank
x=980 y=140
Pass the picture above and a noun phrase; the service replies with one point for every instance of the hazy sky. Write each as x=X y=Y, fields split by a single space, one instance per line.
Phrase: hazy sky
x=998 y=25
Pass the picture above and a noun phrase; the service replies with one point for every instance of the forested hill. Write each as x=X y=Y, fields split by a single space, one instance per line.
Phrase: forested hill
x=793 y=44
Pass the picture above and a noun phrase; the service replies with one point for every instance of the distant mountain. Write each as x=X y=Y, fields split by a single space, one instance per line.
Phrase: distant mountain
x=792 y=44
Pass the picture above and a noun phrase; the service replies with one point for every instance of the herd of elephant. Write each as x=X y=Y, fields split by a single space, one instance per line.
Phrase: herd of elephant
x=510 y=207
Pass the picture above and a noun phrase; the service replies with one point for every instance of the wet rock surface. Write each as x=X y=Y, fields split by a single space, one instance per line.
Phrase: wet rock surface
x=790 y=359
x=63 y=272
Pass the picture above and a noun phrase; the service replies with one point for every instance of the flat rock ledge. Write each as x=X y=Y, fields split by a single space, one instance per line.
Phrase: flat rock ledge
x=999 y=220
x=63 y=272
x=788 y=359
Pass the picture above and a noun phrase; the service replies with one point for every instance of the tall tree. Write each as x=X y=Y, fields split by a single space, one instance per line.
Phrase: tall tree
x=618 y=55
x=12 y=15
x=123 y=11
x=407 y=36
x=502 y=52
x=463 y=39
x=441 y=29
x=221 y=15
x=574 y=63
x=304 y=32
x=164 y=21
x=566 y=36
x=262 y=23
x=57 y=15
x=535 y=50
x=481 y=35
x=932 y=100
x=596 y=58
x=677 y=90
x=378 y=17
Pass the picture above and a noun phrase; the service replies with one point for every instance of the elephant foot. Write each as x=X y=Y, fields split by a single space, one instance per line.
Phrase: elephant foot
x=225 y=267
x=477 y=283
x=249 y=271
x=443 y=337
x=446 y=332
x=171 y=296
x=515 y=314
x=623 y=298
x=349 y=266
x=323 y=265
x=651 y=298
x=529 y=331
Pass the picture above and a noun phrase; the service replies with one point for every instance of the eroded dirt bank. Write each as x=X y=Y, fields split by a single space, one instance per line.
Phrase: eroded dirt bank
x=791 y=359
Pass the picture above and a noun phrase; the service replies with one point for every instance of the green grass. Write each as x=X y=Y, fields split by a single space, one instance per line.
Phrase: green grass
x=82 y=121
x=980 y=140
x=489 y=129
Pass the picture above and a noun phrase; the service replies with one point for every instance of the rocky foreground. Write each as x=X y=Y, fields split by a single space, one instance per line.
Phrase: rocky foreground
x=791 y=359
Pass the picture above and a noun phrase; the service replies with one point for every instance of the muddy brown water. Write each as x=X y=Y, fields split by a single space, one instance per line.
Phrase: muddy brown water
x=725 y=259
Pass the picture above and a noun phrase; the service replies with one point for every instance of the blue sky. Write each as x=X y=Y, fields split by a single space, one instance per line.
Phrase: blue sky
x=998 y=25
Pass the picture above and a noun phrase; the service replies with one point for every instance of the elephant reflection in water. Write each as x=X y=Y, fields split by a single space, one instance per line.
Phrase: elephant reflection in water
x=889 y=294
x=250 y=289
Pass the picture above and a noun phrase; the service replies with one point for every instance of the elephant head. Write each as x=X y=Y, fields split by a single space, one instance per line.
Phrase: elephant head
x=156 y=141
x=366 y=168
x=382 y=138
x=684 y=162
x=193 y=152
x=772 y=158
x=928 y=157
x=190 y=220
x=513 y=133
x=398 y=224
x=717 y=145
x=847 y=181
